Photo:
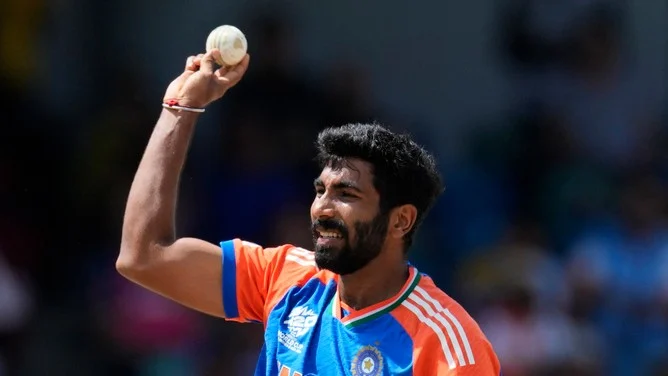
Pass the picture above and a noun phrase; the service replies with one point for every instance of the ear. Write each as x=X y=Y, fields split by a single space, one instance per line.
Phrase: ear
x=402 y=220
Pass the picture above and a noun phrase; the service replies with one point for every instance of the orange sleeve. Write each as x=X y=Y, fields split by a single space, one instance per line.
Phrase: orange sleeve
x=435 y=353
x=256 y=278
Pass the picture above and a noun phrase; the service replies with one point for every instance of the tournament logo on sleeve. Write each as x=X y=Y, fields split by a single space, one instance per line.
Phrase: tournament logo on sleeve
x=367 y=362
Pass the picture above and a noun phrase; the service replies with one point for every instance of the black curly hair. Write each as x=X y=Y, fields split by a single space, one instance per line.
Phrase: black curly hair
x=403 y=171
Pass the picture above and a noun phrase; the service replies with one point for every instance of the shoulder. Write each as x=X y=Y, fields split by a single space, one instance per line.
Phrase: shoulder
x=443 y=332
x=283 y=264
x=298 y=263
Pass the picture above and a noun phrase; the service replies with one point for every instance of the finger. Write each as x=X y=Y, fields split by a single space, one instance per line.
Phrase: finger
x=232 y=76
x=190 y=64
x=208 y=61
x=198 y=59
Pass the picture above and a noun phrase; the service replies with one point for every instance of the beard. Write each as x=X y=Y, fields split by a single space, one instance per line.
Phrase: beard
x=350 y=257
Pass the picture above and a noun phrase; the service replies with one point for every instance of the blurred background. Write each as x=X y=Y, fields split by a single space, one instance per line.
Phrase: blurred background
x=547 y=117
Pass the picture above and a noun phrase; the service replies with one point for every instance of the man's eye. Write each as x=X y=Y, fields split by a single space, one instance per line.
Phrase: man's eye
x=347 y=194
x=319 y=191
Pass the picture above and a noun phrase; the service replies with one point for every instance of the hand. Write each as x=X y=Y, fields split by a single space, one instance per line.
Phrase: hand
x=201 y=83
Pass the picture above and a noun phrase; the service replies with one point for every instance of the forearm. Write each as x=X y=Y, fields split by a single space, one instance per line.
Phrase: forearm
x=149 y=220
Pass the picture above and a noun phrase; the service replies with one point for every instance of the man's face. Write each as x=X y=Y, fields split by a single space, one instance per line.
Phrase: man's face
x=348 y=230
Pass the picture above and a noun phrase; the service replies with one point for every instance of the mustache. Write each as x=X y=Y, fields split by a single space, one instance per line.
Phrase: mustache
x=330 y=224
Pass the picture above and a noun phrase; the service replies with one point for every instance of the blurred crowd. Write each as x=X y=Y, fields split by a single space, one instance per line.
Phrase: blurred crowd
x=552 y=231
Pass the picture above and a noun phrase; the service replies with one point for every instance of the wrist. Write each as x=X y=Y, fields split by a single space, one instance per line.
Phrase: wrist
x=180 y=116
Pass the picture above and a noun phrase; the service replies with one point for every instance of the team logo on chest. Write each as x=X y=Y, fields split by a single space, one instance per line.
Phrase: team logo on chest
x=367 y=362
x=300 y=321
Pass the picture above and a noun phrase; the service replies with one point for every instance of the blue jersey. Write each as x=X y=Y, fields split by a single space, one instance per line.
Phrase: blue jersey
x=310 y=331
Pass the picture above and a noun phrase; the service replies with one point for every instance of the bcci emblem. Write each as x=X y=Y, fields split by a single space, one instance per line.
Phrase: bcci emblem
x=367 y=362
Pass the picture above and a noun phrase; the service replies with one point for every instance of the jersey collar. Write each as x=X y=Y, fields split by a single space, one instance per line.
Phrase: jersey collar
x=367 y=314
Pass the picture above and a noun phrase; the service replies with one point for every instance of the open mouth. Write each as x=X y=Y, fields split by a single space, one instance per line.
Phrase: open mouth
x=329 y=234
x=328 y=237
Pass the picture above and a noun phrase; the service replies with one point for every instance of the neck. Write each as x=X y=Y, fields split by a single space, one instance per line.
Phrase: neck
x=379 y=280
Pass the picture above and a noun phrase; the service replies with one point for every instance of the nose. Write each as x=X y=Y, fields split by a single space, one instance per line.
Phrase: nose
x=322 y=207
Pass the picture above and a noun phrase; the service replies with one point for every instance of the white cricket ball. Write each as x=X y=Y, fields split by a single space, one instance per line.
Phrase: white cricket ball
x=230 y=41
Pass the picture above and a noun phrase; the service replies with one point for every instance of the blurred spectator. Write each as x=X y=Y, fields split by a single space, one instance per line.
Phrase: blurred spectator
x=156 y=336
x=618 y=277
x=517 y=288
x=17 y=304
x=607 y=107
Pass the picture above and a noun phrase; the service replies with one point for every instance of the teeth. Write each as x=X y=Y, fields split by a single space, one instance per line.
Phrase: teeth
x=330 y=235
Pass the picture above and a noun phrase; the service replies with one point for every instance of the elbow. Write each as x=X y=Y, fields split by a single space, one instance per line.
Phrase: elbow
x=130 y=266
x=137 y=263
x=125 y=266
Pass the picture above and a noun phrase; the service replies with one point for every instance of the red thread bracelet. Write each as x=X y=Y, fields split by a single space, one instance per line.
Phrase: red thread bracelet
x=174 y=105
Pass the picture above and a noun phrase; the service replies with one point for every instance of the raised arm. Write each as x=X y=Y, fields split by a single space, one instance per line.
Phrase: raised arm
x=185 y=270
